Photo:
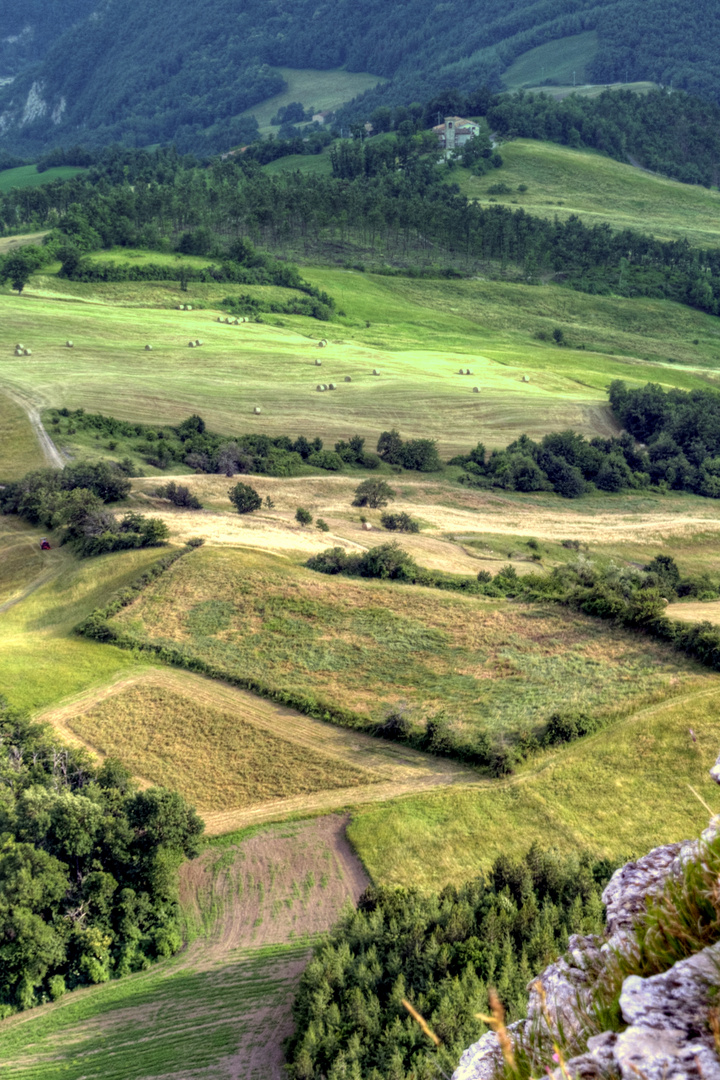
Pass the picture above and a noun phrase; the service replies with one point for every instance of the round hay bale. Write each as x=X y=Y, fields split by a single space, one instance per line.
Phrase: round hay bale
x=526 y=378
x=461 y=372
x=366 y=526
x=318 y=363
x=257 y=410
x=69 y=345
x=219 y=318
x=331 y=386
x=468 y=371
x=321 y=386
x=322 y=344
x=476 y=389
x=188 y=307
x=181 y=307
x=236 y=322
x=18 y=352
x=199 y=342
x=227 y=321
x=348 y=378
x=148 y=348
x=19 y=346
x=191 y=344
x=375 y=371
x=27 y=352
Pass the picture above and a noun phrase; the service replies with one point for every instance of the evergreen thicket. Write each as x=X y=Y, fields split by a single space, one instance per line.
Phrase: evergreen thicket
x=442 y=952
x=88 y=867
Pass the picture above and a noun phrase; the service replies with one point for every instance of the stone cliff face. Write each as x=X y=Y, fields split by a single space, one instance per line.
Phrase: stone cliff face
x=665 y=1018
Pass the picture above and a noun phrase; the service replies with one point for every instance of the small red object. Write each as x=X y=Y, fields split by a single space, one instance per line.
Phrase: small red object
x=45 y=546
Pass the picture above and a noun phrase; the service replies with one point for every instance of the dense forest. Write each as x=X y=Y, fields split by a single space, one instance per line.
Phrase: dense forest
x=442 y=952
x=88 y=867
x=170 y=72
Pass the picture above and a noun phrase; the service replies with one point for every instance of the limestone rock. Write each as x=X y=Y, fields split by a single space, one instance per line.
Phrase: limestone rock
x=625 y=895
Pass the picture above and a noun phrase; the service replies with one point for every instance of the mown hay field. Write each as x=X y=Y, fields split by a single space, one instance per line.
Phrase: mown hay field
x=214 y=758
x=420 y=334
x=561 y=181
x=19 y=449
x=368 y=646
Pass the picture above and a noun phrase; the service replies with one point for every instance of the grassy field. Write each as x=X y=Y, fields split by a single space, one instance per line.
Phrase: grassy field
x=41 y=661
x=420 y=332
x=562 y=61
x=618 y=793
x=213 y=758
x=222 y=1006
x=27 y=176
x=368 y=646
x=561 y=181
x=316 y=89
x=19 y=450
x=313 y=164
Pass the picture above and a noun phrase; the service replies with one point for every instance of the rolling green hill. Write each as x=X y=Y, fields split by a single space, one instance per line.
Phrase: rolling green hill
x=560 y=181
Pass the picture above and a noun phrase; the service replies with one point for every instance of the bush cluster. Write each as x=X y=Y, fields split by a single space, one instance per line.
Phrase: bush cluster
x=88 y=867
x=178 y=495
x=74 y=500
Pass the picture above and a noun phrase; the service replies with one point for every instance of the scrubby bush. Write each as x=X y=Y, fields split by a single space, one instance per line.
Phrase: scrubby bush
x=178 y=495
x=399 y=522
x=303 y=516
x=244 y=498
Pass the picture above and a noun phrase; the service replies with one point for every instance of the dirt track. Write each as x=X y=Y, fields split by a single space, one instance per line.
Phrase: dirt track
x=50 y=451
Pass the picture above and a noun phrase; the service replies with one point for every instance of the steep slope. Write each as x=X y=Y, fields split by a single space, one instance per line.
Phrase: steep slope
x=175 y=70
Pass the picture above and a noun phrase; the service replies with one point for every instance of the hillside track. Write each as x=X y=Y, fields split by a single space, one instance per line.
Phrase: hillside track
x=31 y=406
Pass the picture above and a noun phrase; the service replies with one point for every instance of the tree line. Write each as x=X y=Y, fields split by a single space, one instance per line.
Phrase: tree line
x=74 y=499
x=88 y=867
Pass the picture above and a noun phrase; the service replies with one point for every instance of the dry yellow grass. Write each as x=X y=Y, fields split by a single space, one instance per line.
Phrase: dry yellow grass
x=372 y=769
x=213 y=757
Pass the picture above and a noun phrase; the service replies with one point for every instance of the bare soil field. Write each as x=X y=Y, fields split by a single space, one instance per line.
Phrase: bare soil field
x=220 y=1009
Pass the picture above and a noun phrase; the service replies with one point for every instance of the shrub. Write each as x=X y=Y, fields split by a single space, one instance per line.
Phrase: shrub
x=178 y=495
x=322 y=525
x=564 y=727
x=244 y=498
x=374 y=493
x=326 y=459
x=303 y=516
x=399 y=522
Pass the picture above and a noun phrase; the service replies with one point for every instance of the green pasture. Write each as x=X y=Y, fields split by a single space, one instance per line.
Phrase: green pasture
x=19 y=449
x=169 y=1020
x=420 y=333
x=617 y=794
x=561 y=181
x=556 y=61
x=316 y=89
x=313 y=164
x=41 y=660
x=27 y=176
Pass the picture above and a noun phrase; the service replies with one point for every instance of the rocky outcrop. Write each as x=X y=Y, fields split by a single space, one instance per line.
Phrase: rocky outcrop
x=667 y=1035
